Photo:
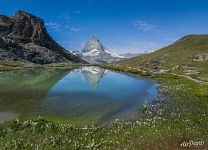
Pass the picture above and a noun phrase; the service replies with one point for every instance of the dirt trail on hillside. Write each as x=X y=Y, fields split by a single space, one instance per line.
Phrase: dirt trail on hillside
x=190 y=78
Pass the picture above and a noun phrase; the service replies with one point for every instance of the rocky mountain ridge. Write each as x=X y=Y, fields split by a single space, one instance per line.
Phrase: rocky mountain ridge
x=23 y=37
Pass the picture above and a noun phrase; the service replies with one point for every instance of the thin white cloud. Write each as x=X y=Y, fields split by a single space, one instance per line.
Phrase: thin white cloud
x=143 y=25
x=67 y=26
x=53 y=25
x=75 y=29
x=67 y=17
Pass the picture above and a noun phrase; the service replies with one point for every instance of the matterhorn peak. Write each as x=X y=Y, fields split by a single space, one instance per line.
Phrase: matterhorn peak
x=95 y=53
x=93 y=45
x=94 y=37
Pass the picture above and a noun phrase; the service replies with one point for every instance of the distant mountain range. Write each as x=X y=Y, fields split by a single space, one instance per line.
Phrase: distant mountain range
x=95 y=53
x=130 y=55
x=23 y=37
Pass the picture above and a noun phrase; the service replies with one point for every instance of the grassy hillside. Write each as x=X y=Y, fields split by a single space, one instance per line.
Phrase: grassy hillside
x=188 y=55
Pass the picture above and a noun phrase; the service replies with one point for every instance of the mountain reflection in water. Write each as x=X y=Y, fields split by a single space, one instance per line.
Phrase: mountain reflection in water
x=87 y=94
x=93 y=75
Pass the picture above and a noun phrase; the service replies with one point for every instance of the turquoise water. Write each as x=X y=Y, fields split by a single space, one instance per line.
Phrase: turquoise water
x=87 y=94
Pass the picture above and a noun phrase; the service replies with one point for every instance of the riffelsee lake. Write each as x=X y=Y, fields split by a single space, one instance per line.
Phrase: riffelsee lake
x=83 y=95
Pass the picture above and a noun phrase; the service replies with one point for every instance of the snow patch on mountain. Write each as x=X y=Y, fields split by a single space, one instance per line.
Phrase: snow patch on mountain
x=93 y=52
x=114 y=54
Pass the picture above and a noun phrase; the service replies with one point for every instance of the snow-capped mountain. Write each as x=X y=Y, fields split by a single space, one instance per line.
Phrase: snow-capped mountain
x=93 y=44
x=95 y=53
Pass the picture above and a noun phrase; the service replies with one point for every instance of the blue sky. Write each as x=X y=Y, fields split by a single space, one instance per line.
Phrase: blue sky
x=121 y=25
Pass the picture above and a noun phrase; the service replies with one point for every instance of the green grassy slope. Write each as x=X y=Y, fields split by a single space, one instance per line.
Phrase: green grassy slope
x=181 y=53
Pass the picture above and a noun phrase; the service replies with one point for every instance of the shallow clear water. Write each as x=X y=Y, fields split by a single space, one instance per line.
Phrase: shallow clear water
x=85 y=95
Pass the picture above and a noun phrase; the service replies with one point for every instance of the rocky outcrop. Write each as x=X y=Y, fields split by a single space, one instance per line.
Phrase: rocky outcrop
x=201 y=57
x=23 y=37
x=155 y=65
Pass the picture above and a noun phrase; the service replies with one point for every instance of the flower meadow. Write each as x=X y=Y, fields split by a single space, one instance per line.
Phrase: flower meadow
x=178 y=114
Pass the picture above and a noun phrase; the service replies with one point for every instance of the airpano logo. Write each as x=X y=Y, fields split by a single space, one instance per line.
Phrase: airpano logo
x=192 y=143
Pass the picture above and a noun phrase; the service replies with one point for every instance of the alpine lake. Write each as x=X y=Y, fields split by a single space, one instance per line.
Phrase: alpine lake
x=84 y=95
